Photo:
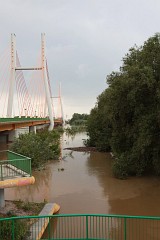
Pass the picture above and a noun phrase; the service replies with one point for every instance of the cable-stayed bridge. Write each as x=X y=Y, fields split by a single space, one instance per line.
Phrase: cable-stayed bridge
x=27 y=102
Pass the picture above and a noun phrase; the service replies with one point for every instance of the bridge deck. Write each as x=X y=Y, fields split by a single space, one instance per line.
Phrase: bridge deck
x=14 y=123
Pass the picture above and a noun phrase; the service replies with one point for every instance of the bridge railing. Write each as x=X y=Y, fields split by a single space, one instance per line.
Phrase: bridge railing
x=20 y=119
x=81 y=226
x=14 y=165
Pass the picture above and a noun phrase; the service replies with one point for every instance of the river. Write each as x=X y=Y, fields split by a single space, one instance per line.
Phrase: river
x=86 y=185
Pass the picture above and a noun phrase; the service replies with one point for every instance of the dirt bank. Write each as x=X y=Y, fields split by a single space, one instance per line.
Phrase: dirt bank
x=19 y=208
x=82 y=149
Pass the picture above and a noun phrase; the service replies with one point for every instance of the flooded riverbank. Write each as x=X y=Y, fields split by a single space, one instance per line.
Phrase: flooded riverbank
x=86 y=185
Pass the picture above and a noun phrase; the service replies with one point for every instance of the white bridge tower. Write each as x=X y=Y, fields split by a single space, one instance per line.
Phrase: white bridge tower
x=44 y=74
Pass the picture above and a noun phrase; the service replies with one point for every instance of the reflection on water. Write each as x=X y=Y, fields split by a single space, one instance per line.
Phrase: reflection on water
x=87 y=186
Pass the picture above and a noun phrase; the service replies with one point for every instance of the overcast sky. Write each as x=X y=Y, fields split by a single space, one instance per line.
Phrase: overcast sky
x=86 y=40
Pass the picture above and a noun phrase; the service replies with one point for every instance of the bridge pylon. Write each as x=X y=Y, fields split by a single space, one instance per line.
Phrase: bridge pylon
x=44 y=71
x=12 y=75
x=42 y=68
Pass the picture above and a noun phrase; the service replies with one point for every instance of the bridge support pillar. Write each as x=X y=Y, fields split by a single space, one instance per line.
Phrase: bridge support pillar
x=12 y=134
x=2 y=201
x=33 y=129
x=15 y=133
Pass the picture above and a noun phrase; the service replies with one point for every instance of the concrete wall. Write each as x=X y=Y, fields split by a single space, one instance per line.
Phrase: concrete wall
x=15 y=133
x=33 y=129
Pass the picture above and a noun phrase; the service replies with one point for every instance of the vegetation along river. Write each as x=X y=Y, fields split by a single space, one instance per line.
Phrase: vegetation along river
x=86 y=185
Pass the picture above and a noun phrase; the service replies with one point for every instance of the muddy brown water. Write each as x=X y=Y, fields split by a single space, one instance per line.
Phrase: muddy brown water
x=86 y=185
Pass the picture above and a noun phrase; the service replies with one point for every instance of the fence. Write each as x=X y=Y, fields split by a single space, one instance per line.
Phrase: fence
x=80 y=226
x=14 y=165
x=20 y=119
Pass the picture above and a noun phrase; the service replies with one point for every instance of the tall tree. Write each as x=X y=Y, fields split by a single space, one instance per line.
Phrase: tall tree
x=98 y=124
x=131 y=106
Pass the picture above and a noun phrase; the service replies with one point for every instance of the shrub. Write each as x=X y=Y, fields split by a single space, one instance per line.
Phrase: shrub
x=39 y=147
x=20 y=229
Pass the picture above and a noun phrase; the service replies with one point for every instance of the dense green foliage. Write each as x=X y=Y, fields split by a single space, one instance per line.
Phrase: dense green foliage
x=40 y=147
x=20 y=230
x=98 y=125
x=78 y=119
x=126 y=117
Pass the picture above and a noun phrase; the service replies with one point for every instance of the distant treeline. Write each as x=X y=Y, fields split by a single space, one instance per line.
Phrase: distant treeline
x=78 y=119
x=126 y=117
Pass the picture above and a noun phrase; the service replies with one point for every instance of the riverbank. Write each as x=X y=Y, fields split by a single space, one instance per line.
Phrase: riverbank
x=82 y=149
x=20 y=208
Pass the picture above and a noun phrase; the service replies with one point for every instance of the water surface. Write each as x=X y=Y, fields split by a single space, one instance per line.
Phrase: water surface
x=86 y=185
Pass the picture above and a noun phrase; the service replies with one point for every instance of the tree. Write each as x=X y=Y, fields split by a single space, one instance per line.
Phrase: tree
x=78 y=119
x=98 y=125
x=132 y=107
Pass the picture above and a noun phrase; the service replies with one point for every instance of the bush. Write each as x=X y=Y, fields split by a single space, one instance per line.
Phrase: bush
x=20 y=229
x=39 y=147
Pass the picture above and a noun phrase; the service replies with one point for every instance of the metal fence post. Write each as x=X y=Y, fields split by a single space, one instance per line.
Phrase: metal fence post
x=49 y=228
x=125 y=229
x=13 y=229
x=1 y=173
x=30 y=168
x=86 y=227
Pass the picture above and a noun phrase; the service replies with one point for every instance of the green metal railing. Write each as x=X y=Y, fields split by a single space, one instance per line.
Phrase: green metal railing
x=14 y=165
x=80 y=226
x=20 y=119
